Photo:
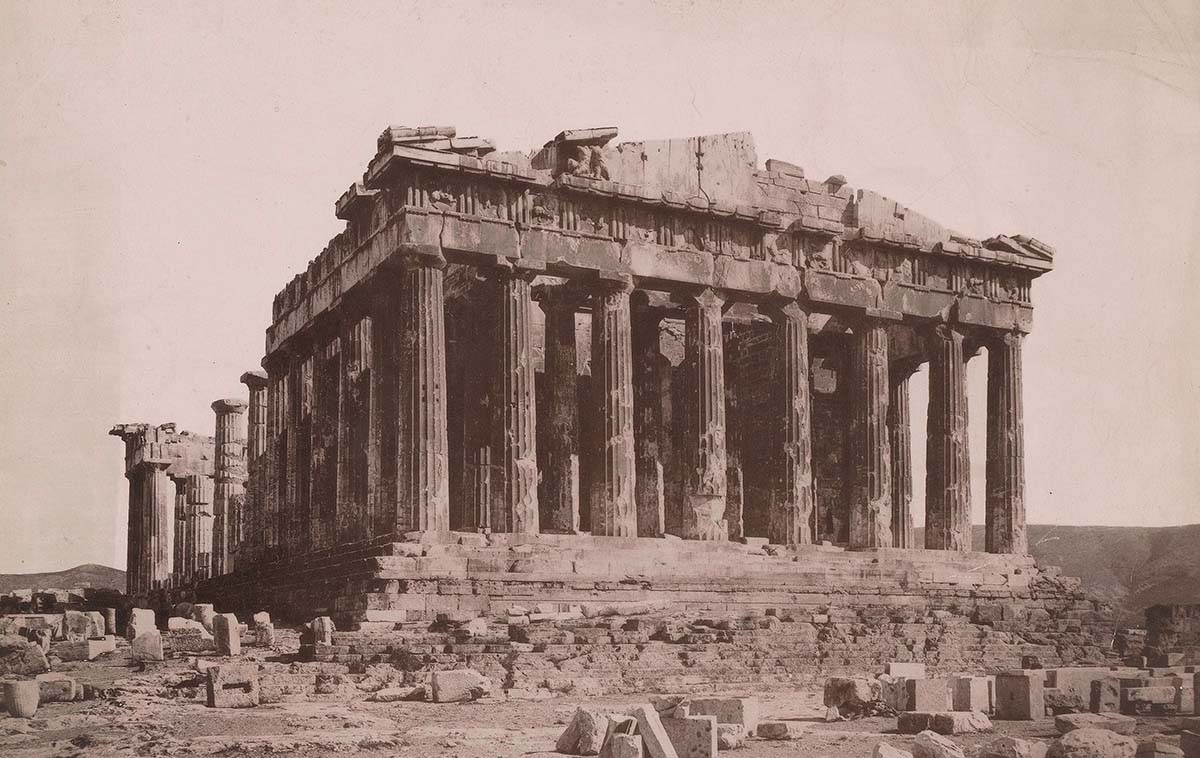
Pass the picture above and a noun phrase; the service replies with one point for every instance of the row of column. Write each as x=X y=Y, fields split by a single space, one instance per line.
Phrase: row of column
x=881 y=513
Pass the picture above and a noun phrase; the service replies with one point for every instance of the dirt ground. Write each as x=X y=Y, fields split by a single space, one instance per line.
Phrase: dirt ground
x=160 y=712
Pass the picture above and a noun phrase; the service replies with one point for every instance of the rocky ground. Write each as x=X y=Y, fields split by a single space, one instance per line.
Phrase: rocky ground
x=160 y=711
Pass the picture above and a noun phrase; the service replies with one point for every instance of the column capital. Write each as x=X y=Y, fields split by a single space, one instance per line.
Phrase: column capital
x=569 y=296
x=779 y=310
x=406 y=259
x=608 y=282
x=234 y=405
x=254 y=379
x=707 y=297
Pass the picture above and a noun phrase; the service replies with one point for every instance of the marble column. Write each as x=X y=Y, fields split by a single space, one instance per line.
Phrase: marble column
x=791 y=505
x=518 y=409
x=423 y=473
x=180 y=544
x=704 y=454
x=136 y=541
x=647 y=418
x=254 y=521
x=614 y=477
x=200 y=494
x=559 y=497
x=900 y=437
x=229 y=474
x=1005 y=518
x=870 y=451
x=159 y=506
x=947 y=474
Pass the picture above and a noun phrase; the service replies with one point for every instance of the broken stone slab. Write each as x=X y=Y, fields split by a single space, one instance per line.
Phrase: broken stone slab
x=728 y=710
x=58 y=688
x=227 y=634
x=780 y=730
x=584 y=734
x=140 y=620
x=928 y=695
x=1012 y=747
x=76 y=626
x=884 y=750
x=458 y=686
x=655 y=740
x=1092 y=743
x=1112 y=721
x=147 y=647
x=972 y=693
x=233 y=686
x=177 y=623
x=731 y=736
x=623 y=746
x=397 y=694
x=1020 y=696
x=1105 y=695
x=693 y=736
x=1133 y=697
x=930 y=744
x=906 y=670
x=264 y=635
x=204 y=613
x=1158 y=749
x=959 y=722
x=854 y=692
x=97 y=624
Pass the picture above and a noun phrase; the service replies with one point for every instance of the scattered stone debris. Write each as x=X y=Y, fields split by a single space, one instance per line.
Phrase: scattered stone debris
x=1092 y=743
x=1112 y=721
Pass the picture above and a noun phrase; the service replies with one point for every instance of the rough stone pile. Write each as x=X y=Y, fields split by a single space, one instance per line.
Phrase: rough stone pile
x=670 y=727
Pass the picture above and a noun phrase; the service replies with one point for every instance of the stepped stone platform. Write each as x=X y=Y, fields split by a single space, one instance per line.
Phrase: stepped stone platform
x=623 y=611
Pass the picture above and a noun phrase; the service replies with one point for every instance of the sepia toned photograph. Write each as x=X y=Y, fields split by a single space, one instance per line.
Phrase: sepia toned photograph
x=659 y=379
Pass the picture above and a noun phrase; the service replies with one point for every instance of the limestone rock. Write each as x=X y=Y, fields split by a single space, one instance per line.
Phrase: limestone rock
x=623 y=746
x=1112 y=721
x=204 y=613
x=396 y=694
x=584 y=734
x=176 y=623
x=20 y=656
x=693 y=736
x=730 y=736
x=147 y=646
x=1158 y=749
x=140 y=620
x=76 y=626
x=1092 y=743
x=459 y=685
x=227 y=634
x=262 y=617
x=884 y=750
x=780 y=730
x=728 y=710
x=1012 y=747
x=851 y=692
x=959 y=722
x=264 y=634
x=655 y=741
x=233 y=686
x=933 y=745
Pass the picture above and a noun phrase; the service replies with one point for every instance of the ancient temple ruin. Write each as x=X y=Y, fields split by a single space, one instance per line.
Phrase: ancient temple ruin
x=625 y=372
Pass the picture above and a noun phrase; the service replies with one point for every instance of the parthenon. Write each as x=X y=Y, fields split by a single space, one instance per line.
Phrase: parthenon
x=656 y=340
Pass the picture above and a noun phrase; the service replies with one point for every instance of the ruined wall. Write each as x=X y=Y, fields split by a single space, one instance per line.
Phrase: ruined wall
x=1171 y=627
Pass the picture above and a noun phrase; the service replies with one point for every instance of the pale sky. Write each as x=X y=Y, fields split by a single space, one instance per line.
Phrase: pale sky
x=164 y=171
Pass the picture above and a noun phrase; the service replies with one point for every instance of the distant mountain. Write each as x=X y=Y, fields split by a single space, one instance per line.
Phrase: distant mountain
x=87 y=575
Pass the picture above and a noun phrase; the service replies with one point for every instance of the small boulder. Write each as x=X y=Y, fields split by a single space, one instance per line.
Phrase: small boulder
x=884 y=750
x=959 y=722
x=1092 y=743
x=204 y=613
x=584 y=734
x=730 y=736
x=459 y=686
x=780 y=730
x=1012 y=747
x=1114 y=722
x=933 y=745
x=20 y=656
x=854 y=692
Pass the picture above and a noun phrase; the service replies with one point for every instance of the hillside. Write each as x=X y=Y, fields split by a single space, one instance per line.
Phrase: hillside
x=87 y=575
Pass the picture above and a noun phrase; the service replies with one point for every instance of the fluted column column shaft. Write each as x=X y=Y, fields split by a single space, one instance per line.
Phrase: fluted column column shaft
x=647 y=422
x=900 y=439
x=256 y=472
x=871 y=509
x=424 y=446
x=560 y=488
x=948 y=474
x=200 y=494
x=229 y=475
x=614 y=479
x=179 y=545
x=136 y=545
x=704 y=452
x=518 y=410
x=1005 y=517
x=160 y=507
x=791 y=504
